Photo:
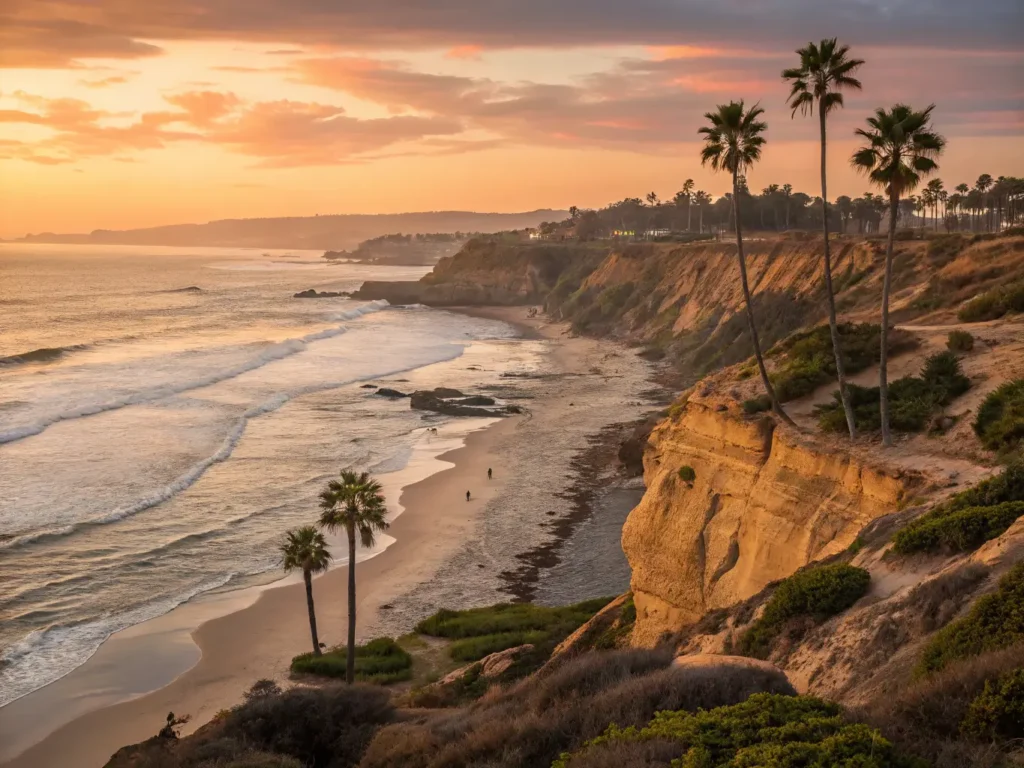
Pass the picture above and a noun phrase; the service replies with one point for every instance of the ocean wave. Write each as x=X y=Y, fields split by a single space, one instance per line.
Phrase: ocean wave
x=43 y=355
x=48 y=654
x=197 y=470
x=276 y=351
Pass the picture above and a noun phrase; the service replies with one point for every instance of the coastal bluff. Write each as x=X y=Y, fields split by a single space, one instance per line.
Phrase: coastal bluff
x=764 y=502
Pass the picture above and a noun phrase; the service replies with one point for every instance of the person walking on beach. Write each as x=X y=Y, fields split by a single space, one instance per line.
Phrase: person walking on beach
x=467 y=495
x=488 y=473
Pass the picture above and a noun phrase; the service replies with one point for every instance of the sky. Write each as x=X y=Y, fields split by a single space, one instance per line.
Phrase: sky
x=128 y=113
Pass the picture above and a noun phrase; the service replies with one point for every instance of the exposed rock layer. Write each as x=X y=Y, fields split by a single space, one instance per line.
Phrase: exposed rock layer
x=762 y=505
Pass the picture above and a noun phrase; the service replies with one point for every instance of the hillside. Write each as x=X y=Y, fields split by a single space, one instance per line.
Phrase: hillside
x=797 y=598
x=304 y=232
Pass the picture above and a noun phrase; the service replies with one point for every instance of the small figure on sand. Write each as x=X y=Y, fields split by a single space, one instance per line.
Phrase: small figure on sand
x=489 y=474
x=467 y=495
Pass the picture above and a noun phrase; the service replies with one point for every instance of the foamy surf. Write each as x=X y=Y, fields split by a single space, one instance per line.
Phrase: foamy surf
x=274 y=352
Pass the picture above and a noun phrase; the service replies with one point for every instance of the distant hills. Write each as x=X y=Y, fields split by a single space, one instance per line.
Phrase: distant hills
x=306 y=232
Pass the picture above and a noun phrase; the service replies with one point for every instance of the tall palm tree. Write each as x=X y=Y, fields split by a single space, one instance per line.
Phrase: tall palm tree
x=787 y=193
x=825 y=71
x=688 y=195
x=963 y=190
x=732 y=143
x=354 y=503
x=304 y=549
x=901 y=148
x=701 y=198
x=936 y=189
x=983 y=185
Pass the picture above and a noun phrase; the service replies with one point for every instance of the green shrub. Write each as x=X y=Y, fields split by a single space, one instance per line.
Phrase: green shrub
x=998 y=713
x=996 y=621
x=1008 y=485
x=506 y=617
x=960 y=341
x=912 y=399
x=757 y=404
x=482 y=631
x=765 y=730
x=994 y=303
x=817 y=593
x=960 y=530
x=475 y=648
x=686 y=474
x=380 y=661
x=968 y=519
x=1000 y=421
x=809 y=360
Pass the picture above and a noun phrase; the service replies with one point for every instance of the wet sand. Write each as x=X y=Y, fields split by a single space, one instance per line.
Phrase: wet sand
x=263 y=630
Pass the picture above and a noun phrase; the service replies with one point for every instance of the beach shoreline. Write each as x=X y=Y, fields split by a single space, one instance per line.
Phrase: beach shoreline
x=257 y=636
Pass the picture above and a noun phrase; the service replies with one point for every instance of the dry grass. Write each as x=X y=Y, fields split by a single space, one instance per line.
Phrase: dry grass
x=924 y=717
x=536 y=720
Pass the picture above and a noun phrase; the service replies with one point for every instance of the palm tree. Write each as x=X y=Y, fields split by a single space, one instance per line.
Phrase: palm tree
x=825 y=71
x=305 y=549
x=353 y=503
x=688 y=195
x=964 y=190
x=936 y=190
x=701 y=198
x=901 y=148
x=983 y=185
x=732 y=143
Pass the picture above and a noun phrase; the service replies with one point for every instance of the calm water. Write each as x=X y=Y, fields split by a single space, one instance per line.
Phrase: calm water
x=155 y=439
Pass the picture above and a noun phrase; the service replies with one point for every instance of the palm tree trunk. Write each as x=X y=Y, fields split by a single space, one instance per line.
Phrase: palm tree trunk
x=350 y=661
x=701 y=224
x=883 y=381
x=308 y=578
x=751 y=324
x=689 y=211
x=833 y=325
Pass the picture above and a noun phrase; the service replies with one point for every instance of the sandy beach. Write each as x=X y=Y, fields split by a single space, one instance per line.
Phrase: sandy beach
x=444 y=546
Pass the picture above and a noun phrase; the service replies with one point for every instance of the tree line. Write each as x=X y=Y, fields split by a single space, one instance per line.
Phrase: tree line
x=987 y=205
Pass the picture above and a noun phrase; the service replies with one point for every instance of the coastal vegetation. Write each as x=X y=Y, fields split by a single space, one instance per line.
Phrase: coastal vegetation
x=732 y=143
x=381 y=661
x=478 y=632
x=994 y=303
x=304 y=549
x=764 y=730
x=995 y=621
x=960 y=341
x=914 y=399
x=968 y=519
x=816 y=594
x=354 y=504
x=825 y=71
x=901 y=149
x=1000 y=420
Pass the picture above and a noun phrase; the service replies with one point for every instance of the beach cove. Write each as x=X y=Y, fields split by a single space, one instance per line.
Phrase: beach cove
x=446 y=552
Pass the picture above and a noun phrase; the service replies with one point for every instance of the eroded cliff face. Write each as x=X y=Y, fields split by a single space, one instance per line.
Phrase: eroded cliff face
x=763 y=504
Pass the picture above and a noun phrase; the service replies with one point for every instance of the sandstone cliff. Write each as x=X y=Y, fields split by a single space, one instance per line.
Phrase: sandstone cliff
x=763 y=503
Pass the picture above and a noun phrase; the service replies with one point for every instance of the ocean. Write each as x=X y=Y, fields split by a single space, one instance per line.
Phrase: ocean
x=166 y=414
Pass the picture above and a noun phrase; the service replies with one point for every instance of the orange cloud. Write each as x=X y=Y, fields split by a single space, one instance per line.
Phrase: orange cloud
x=105 y=82
x=464 y=52
x=204 y=107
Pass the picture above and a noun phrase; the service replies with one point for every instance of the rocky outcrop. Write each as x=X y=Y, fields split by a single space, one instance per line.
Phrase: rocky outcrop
x=763 y=503
x=311 y=293
x=394 y=394
x=452 y=402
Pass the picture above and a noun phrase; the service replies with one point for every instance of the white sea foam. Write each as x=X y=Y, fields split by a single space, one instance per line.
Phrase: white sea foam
x=57 y=650
x=271 y=353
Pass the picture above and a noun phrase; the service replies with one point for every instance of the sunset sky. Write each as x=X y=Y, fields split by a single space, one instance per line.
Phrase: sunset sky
x=128 y=113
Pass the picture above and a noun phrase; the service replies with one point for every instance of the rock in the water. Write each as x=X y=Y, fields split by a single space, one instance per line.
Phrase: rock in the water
x=446 y=392
x=368 y=386
x=474 y=400
x=431 y=400
x=392 y=393
x=311 y=293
